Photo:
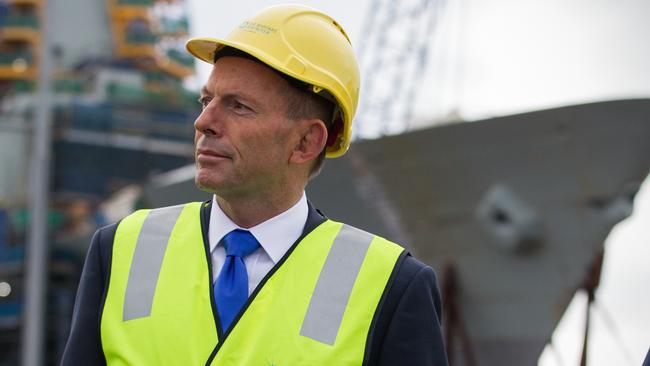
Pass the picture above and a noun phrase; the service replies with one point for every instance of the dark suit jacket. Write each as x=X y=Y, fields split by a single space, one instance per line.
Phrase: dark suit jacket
x=405 y=329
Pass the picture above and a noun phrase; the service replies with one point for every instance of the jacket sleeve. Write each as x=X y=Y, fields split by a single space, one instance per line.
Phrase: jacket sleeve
x=409 y=325
x=84 y=343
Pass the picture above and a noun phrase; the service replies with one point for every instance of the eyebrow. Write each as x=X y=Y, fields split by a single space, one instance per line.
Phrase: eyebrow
x=233 y=95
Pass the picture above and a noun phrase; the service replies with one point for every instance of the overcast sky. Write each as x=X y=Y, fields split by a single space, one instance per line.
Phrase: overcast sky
x=497 y=57
x=523 y=55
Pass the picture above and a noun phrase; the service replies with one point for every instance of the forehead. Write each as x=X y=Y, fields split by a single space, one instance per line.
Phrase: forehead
x=244 y=74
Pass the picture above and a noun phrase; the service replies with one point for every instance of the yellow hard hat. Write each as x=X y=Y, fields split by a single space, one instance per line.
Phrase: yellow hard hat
x=304 y=44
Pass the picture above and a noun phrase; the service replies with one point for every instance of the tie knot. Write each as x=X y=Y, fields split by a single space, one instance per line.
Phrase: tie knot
x=240 y=243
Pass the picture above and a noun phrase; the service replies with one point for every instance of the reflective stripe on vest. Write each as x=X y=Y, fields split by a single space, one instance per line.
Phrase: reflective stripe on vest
x=147 y=260
x=315 y=308
x=335 y=284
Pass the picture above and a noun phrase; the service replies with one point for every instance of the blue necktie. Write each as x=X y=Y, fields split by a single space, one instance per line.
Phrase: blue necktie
x=231 y=288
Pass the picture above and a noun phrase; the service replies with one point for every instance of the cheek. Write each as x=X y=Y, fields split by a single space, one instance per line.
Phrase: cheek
x=282 y=142
x=289 y=140
x=263 y=144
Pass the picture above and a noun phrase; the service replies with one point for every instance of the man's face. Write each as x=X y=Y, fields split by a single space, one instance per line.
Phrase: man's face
x=243 y=139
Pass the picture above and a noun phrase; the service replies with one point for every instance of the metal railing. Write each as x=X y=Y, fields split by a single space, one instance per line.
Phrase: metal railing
x=181 y=57
x=148 y=38
x=9 y=58
x=136 y=2
x=20 y=20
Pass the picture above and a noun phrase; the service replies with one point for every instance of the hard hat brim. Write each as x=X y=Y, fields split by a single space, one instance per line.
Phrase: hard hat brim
x=205 y=48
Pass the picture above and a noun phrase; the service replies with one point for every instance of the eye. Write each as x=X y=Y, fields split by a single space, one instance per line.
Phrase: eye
x=240 y=108
x=204 y=101
x=238 y=105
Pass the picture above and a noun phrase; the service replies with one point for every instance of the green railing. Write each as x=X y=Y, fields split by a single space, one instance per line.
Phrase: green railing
x=9 y=57
x=24 y=86
x=68 y=86
x=182 y=58
x=134 y=95
x=136 y=2
x=155 y=76
x=22 y=21
x=169 y=25
x=167 y=96
x=74 y=86
x=139 y=38
x=19 y=219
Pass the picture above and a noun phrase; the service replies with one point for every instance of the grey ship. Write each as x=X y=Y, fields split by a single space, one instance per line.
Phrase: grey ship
x=512 y=212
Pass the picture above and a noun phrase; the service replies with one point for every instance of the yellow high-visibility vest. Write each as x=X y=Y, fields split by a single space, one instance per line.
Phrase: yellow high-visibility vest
x=315 y=307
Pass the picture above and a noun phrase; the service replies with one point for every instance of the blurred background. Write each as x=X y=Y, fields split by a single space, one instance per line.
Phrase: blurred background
x=506 y=143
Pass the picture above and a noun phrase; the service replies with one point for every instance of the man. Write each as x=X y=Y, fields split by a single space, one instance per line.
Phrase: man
x=258 y=276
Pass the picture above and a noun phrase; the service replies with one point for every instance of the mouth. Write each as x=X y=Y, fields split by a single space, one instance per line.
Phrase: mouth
x=205 y=155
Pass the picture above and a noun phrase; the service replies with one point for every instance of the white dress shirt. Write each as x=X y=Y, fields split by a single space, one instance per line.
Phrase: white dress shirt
x=275 y=235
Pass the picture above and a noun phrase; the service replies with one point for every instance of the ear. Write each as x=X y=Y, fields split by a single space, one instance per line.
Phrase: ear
x=313 y=137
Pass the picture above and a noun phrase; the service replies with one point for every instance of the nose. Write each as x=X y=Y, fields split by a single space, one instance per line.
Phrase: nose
x=207 y=122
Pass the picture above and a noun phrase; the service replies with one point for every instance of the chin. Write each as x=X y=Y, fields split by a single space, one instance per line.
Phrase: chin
x=204 y=183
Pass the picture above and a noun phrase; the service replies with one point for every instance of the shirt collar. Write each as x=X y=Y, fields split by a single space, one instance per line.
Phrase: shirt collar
x=276 y=235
